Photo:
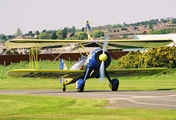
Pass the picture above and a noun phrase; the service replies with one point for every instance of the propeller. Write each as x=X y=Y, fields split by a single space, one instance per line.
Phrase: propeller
x=103 y=57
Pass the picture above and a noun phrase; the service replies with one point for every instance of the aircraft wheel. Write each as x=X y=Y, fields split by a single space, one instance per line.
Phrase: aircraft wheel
x=64 y=89
x=80 y=85
x=115 y=84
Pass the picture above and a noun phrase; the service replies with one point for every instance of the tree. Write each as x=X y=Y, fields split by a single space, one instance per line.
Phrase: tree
x=18 y=32
x=173 y=20
x=117 y=26
x=82 y=36
x=59 y=34
x=163 y=31
x=2 y=37
x=37 y=32
x=43 y=31
x=44 y=35
x=83 y=29
x=8 y=37
x=54 y=36
x=150 y=24
x=72 y=30
x=64 y=33
x=98 y=34
x=30 y=33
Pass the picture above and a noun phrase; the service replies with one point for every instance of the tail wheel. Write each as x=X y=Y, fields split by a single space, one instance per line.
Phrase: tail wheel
x=80 y=85
x=115 y=84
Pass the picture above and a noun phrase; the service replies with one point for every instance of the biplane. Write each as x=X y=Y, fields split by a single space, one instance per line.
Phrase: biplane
x=92 y=65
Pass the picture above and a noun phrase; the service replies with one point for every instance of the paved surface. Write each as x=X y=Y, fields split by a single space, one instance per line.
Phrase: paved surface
x=162 y=99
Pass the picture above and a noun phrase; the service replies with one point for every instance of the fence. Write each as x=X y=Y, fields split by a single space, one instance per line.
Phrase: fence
x=9 y=59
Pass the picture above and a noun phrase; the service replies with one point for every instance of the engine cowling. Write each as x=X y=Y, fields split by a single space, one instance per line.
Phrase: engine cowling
x=97 y=56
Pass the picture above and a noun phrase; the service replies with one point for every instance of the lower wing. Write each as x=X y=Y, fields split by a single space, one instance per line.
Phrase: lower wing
x=135 y=72
x=34 y=73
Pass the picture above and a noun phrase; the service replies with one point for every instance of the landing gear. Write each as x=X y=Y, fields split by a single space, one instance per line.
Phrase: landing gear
x=64 y=88
x=80 y=85
x=114 y=84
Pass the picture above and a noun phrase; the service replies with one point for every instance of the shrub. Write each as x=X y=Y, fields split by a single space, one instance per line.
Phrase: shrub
x=156 y=57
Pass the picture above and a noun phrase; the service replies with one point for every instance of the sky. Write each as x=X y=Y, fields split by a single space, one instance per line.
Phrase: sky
x=38 y=15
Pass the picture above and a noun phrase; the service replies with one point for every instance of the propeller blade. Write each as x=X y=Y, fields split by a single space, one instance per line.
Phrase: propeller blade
x=103 y=57
x=105 y=43
x=102 y=70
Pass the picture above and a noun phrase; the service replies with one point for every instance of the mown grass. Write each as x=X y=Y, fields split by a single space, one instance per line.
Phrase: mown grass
x=30 y=107
x=155 y=82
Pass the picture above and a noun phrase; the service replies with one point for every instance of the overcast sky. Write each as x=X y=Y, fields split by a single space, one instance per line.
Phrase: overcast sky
x=33 y=15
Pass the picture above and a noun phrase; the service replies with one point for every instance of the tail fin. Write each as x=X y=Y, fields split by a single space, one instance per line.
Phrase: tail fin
x=63 y=65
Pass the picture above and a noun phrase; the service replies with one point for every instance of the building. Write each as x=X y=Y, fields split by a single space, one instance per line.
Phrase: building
x=170 y=36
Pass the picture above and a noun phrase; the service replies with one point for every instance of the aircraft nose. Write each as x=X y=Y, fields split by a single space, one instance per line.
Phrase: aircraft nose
x=103 y=57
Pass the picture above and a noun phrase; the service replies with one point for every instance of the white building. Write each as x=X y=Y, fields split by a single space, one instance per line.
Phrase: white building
x=154 y=36
x=171 y=36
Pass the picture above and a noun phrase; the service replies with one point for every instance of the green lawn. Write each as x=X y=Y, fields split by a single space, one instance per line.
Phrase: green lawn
x=135 y=83
x=155 y=82
x=27 y=107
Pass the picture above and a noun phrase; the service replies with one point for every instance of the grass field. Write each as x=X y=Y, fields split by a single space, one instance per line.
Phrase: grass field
x=155 y=82
x=25 y=107
x=17 y=107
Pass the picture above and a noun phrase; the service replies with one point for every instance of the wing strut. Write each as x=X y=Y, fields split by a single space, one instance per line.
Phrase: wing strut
x=79 y=52
x=77 y=48
x=33 y=57
x=84 y=49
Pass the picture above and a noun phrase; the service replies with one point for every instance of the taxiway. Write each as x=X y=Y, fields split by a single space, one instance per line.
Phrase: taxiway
x=161 y=99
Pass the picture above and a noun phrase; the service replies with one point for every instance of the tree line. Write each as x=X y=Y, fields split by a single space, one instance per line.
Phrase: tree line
x=80 y=34
x=66 y=33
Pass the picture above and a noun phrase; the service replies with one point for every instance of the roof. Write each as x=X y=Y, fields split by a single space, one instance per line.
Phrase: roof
x=125 y=33
x=171 y=36
x=25 y=37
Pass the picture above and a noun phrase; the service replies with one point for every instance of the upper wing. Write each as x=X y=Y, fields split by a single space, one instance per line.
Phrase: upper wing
x=11 y=44
x=46 y=73
x=149 y=43
x=135 y=72
x=117 y=44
